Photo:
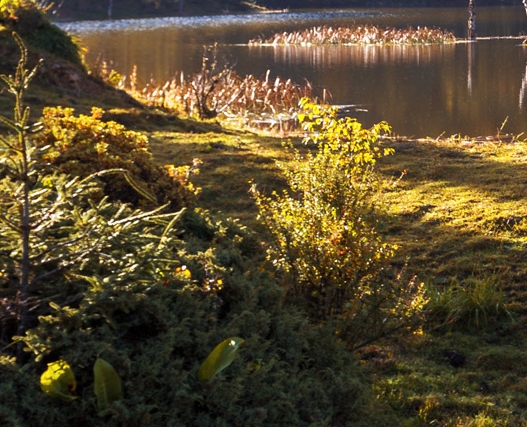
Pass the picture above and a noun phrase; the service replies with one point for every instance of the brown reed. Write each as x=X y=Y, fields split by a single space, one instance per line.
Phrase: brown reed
x=368 y=34
x=263 y=103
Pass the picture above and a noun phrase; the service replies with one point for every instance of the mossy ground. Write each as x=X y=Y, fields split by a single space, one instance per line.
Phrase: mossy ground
x=458 y=214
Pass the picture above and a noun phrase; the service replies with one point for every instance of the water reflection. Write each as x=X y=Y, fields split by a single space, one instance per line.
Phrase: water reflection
x=523 y=88
x=471 y=53
x=467 y=88
x=222 y=21
x=366 y=56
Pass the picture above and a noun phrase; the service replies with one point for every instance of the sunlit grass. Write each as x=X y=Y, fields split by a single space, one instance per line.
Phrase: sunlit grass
x=458 y=215
x=230 y=161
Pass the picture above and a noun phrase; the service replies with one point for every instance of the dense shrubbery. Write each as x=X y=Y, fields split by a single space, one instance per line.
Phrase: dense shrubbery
x=83 y=277
x=288 y=372
x=326 y=241
x=83 y=145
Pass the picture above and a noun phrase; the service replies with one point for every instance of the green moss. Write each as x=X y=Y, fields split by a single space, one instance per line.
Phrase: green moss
x=55 y=41
x=30 y=22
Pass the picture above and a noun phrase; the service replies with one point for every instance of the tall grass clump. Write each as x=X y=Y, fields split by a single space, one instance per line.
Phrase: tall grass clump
x=326 y=243
x=473 y=303
x=368 y=34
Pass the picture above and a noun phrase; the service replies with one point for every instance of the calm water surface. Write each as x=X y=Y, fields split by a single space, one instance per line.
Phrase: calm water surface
x=466 y=88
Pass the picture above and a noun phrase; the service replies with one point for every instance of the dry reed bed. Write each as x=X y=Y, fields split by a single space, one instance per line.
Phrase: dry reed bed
x=263 y=103
x=369 y=34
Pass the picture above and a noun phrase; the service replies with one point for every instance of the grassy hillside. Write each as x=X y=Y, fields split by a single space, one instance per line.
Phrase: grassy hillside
x=457 y=214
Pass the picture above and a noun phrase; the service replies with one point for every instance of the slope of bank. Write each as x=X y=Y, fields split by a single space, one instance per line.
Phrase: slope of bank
x=458 y=216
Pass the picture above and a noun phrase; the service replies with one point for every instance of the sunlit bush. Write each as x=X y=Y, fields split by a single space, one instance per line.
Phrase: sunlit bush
x=85 y=144
x=326 y=245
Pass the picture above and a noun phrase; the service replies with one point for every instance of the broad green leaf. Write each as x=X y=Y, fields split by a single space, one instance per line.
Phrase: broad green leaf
x=107 y=384
x=221 y=357
x=58 y=381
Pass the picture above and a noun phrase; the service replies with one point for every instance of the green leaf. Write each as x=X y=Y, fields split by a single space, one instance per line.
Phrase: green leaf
x=58 y=381
x=107 y=384
x=220 y=358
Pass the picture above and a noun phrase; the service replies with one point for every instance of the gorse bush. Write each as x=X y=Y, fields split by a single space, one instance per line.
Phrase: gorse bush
x=84 y=144
x=12 y=9
x=326 y=241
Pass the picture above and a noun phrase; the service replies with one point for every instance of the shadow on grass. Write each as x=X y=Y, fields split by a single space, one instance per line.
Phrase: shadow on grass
x=230 y=162
x=460 y=210
x=494 y=170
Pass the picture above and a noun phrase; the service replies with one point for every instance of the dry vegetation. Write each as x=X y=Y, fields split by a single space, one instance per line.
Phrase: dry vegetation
x=263 y=103
x=245 y=101
x=368 y=34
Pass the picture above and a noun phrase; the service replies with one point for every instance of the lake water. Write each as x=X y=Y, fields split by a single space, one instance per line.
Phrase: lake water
x=465 y=88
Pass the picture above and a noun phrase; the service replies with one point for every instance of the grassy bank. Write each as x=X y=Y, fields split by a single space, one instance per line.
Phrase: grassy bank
x=457 y=213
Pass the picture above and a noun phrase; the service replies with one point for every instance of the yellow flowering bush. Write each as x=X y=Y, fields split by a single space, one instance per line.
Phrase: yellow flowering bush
x=326 y=242
x=86 y=144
